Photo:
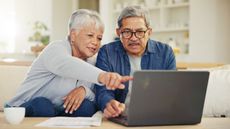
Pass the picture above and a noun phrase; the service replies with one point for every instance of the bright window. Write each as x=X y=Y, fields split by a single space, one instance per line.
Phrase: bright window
x=7 y=26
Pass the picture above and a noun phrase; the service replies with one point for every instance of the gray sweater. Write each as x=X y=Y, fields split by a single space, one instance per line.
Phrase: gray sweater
x=54 y=74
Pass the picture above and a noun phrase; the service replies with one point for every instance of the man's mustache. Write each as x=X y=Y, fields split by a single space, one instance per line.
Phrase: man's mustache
x=133 y=43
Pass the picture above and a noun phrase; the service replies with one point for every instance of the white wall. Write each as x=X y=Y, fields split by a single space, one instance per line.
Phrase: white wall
x=223 y=30
x=106 y=10
x=209 y=31
x=62 y=10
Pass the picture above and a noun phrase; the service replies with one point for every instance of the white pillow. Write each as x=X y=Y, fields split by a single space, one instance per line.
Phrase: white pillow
x=217 y=101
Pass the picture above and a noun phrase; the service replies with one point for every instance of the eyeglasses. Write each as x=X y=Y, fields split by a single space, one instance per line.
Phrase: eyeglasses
x=138 y=34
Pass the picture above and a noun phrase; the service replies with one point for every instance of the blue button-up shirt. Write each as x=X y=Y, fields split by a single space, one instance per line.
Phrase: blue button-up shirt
x=112 y=57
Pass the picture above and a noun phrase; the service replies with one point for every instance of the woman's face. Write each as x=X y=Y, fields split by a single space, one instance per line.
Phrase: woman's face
x=86 y=42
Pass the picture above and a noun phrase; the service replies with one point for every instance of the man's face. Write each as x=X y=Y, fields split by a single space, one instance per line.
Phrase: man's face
x=134 y=43
x=86 y=42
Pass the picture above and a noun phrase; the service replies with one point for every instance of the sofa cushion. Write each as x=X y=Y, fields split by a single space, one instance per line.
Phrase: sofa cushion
x=10 y=79
x=217 y=101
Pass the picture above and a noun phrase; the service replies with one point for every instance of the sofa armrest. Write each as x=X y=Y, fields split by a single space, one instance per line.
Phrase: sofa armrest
x=10 y=79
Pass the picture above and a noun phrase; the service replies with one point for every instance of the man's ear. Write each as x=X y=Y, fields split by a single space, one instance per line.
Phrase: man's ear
x=118 y=32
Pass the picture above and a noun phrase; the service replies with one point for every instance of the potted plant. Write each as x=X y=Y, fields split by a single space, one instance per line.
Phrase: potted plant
x=40 y=36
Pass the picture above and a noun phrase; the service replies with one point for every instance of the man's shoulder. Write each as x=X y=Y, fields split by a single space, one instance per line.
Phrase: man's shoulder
x=157 y=45
x=112 y=46
x=116 y=43
x=111 y=50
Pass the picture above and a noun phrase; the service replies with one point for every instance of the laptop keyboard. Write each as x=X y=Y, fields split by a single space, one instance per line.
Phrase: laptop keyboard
x=122 y=119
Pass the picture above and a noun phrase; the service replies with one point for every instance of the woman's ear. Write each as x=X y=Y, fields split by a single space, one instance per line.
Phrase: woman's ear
x=72 y=35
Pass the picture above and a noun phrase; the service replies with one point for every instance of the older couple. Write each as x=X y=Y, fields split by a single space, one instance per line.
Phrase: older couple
x=59 y=82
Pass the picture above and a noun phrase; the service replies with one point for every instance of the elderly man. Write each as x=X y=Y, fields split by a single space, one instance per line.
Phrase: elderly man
x=57 y=83
x=134 y=51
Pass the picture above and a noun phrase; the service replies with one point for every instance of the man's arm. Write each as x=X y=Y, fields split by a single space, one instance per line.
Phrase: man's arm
x=103 y=95
x=171 y=60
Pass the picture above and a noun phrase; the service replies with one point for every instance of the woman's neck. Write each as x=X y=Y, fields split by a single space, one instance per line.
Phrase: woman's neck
x=76 y=53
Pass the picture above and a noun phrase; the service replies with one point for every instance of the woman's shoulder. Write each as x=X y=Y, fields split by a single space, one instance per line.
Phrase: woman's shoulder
x=58 y=45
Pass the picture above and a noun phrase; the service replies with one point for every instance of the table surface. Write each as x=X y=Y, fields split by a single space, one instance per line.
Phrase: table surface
x=207 y=123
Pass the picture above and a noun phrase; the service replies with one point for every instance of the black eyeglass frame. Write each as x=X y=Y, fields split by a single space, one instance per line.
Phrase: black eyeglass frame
x=142 y=35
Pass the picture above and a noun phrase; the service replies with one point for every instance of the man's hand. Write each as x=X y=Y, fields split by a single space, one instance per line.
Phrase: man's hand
x=113 y=109
x=113 y=80
x=74 y=99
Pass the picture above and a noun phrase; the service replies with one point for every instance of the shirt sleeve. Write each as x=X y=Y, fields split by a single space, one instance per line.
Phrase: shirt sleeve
x=88 y=89
x=58 y=60
x=103 y=95
x=171 y=63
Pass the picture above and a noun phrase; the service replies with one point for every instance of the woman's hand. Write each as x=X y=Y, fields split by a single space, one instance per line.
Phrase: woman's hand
x=113 y=80
x=74 y=99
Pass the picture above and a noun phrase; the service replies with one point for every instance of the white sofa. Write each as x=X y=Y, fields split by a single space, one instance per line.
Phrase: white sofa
x=217 y=101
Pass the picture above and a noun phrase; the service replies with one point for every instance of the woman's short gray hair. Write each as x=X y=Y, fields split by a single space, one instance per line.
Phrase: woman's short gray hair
x=134 y=11
x=84 y=17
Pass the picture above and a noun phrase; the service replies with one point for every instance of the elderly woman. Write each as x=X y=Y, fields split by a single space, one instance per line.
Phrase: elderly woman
x=57 y=83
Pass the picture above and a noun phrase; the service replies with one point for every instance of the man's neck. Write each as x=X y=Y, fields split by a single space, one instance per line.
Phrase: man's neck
x=136 y=54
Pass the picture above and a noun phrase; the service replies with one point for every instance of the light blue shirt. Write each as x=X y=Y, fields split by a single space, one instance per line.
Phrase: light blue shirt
x=54 y=74
x=135 y=64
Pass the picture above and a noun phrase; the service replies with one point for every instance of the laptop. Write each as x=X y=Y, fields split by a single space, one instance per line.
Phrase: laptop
x=166 y=98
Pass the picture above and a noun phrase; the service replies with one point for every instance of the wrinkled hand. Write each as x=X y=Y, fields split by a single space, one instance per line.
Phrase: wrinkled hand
x=74 y=99
x=113 y=80
x=113 y=109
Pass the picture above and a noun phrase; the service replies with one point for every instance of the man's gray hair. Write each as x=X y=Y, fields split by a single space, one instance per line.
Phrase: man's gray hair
x=84 y=17
x=134 y=11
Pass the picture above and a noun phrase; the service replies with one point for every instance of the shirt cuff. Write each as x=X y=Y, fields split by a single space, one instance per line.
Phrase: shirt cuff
x=89 y=94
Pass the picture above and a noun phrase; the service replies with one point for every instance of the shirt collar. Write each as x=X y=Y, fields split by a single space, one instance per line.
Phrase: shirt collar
x=151 y=46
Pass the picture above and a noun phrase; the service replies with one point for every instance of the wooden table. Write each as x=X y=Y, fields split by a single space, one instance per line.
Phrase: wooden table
x=207 y=123
x=185 y=65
